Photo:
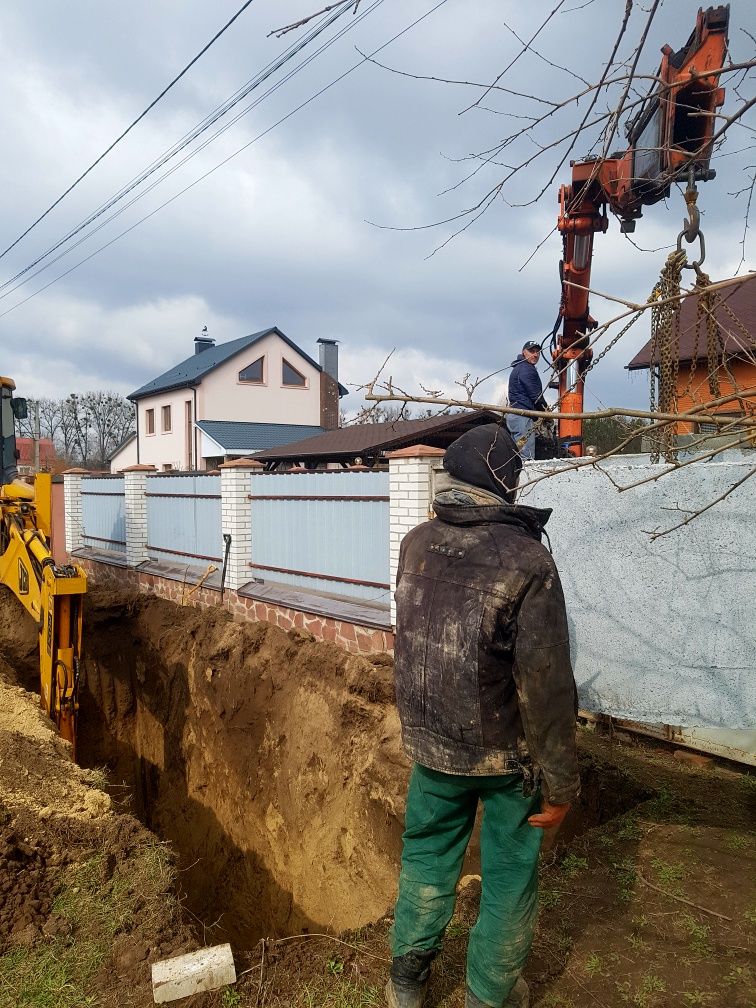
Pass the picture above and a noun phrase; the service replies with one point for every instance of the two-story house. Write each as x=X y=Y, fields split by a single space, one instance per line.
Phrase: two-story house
x=233 y=399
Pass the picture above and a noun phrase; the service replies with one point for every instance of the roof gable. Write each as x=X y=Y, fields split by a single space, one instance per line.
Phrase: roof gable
x=735 y=312
x=191 y=371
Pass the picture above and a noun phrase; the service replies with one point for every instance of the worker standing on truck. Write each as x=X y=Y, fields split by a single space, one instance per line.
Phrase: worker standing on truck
x=525 y=392
x=487 y=703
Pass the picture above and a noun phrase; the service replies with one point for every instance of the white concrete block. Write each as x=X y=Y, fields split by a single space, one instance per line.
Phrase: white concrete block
x=204 y=970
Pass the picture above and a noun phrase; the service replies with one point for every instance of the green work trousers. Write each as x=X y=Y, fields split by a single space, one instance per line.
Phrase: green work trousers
x=439 y=820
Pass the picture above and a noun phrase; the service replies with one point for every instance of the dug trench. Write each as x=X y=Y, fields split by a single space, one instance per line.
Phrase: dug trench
x=269 y=765
x=269 y=761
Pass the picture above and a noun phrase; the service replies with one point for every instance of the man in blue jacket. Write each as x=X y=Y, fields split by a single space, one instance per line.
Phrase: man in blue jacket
x=525 y=392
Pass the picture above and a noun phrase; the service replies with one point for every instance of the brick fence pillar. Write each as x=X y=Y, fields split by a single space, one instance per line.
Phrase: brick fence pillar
x=410 y=492
x=236 y=518
x=135 y=511
x=74 y=519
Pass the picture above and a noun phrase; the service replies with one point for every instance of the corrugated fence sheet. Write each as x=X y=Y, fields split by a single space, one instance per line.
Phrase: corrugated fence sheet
x=184 y=519
x=326 y=531
x=103 y=513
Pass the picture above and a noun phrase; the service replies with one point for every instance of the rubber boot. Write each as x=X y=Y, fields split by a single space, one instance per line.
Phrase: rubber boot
x=519 y=997
x=408 y=985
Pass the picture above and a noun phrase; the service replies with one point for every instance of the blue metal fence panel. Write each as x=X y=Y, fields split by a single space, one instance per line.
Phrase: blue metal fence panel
x=102 y=508
x=326 y=531
x=184 y=519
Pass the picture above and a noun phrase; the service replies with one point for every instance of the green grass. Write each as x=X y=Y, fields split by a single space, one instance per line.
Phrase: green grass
x=572 y=865
x=343 y=994
x=58 y=972
x=700 y=935
x=593 y=964
x=645 y=994
x=669 y=874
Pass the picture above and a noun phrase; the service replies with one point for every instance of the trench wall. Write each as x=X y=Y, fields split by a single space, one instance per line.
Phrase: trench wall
x=271 y=762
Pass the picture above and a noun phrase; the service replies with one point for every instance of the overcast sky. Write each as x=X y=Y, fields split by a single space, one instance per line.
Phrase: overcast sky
x=282 y=233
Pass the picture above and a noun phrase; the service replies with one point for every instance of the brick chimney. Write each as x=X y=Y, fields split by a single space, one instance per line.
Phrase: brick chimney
x=329 y=383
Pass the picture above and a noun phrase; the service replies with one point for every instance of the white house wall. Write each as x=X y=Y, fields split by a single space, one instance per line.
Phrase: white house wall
x=221 y=396
x=161 y=448
x=126 y=457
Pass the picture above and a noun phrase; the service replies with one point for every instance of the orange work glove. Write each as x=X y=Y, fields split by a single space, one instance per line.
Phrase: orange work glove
x=550 y=815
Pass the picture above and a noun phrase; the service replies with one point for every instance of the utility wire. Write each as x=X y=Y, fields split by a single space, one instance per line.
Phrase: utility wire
x=205 y=124
x=230 y=157
x=128 y=129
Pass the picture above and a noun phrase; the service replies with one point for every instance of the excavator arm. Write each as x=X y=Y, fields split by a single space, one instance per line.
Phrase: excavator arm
x=52 y=594
x=670 y=139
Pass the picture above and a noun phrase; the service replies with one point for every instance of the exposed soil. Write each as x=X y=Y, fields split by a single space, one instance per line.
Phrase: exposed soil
x=271 y=765
x=86 y=892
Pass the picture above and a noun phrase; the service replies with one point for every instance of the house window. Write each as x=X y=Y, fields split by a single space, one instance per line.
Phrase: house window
x=188 y=433
x=254 y=372
x=166 y=414
x=149 y=418
x=290 y=375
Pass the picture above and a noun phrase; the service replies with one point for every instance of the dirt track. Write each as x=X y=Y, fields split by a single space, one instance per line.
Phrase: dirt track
x=271 y=764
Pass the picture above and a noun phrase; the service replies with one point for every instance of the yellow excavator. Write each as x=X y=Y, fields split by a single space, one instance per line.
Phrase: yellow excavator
x=51 y=593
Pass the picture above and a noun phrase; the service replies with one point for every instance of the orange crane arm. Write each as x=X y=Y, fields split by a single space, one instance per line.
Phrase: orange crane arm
x=669 y=139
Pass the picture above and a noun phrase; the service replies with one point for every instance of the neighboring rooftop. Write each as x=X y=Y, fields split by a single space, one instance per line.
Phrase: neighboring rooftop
x=240 y=438
x=369 y=441
x=191 y=371
x=738 y=301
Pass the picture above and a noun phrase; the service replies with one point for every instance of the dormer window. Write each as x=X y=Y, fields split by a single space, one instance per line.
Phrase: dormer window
x=254 y=373
x=290 y=376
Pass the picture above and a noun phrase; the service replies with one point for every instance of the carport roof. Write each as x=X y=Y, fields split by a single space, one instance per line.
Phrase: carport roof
x=367 y=441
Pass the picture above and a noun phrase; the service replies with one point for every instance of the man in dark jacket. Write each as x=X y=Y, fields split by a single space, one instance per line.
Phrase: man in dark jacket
x=487 y=703
x=525 y=392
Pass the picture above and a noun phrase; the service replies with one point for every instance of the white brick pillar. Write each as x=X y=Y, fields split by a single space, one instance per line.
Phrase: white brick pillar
x=135 y=511
x=410 y=491
x=74 y=519
x=236 y=518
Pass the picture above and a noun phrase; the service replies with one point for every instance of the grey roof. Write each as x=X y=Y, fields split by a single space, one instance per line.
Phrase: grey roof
x=191 y=371
x=238 y=436
x=126 y=441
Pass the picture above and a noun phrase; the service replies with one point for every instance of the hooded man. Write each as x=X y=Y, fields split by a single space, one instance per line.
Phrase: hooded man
x=525 y=392
x=487 y=703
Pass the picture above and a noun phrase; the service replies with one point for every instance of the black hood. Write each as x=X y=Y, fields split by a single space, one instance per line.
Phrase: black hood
x=518 y=360
x=486 y=457
x=530 y=519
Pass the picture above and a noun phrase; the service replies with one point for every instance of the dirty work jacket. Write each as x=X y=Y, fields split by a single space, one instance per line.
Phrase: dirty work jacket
x=482 y=663
x=525 y=387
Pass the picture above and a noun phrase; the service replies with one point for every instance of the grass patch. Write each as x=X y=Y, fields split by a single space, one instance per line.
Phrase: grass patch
x=58 y=972
x=345 y=994
x=572 y=865
x=645 y=994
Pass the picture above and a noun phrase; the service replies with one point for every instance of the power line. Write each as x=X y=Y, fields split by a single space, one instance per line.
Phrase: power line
x=210 y=119
x=129 y=128
x=230 y=157
x=206 y=123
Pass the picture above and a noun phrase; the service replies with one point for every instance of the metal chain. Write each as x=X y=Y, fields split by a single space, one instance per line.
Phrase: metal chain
x=665 y=347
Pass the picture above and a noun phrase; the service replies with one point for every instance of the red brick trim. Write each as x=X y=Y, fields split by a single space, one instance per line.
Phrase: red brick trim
x=349 y=636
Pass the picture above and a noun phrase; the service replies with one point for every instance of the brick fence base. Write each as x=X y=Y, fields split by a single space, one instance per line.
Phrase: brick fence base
x=350 y=636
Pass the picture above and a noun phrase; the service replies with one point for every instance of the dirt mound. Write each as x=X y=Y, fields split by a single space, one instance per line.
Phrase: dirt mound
x=269 y=760
x=87 y=896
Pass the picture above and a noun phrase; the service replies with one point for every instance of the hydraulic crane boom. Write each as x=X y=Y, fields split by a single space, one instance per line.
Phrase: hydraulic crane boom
x=52 y=594
x=670 y=139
